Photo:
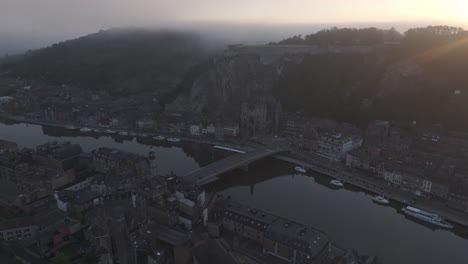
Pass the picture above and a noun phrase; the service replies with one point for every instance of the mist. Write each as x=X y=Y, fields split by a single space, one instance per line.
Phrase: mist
x=26 y=24
x=220 y=33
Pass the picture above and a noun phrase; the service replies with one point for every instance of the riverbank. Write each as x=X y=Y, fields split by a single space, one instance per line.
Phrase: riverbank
x=227 y=144
x=333 y=170
x=377 y=186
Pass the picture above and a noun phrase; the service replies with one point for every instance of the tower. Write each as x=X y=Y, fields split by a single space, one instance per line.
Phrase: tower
x=152 y=163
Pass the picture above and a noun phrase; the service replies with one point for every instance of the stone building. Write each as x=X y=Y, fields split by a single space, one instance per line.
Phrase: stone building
x=260 y=117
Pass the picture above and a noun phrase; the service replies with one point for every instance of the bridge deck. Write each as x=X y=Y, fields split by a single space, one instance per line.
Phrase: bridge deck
x=208 y=173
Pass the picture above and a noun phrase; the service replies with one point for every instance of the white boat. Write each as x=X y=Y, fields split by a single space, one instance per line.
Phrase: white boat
x=71 y=127
x=97 y=130
x=338 y=183
x=123 y=133
x=173 y=139
x=381 y=199
x=159 y=138
x=300 y=169
x=110 y=131
x=86 y=130
x=431 y=218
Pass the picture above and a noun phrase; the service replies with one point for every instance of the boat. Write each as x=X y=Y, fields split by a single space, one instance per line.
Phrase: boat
x=86 y=130
x=300 y=169
x=159 y=138
x=109 y=131
x=123 y=133
x=72 y=128
x=338 y=183
x=428 y=217
x=97 y=130
x=381 y=199
x=173 y=139
x=133 y=134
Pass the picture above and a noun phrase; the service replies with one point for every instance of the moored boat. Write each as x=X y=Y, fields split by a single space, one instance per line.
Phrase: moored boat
x=381 y=199
x=159 y=138
x=110 y=131
x=72 y=128
x=123 y=133
x=85 y=130
x=428 y=217
x=337 y=183
x=300 y=169
x=173 y=139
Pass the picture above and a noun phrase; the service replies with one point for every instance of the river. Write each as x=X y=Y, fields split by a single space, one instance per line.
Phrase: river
x=347 y=215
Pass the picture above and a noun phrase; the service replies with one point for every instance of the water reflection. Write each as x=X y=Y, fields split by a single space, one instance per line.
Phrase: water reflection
x=180 y=159
x=347 y=214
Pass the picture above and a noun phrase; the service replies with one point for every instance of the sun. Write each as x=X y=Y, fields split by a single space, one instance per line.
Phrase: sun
x=461 y=12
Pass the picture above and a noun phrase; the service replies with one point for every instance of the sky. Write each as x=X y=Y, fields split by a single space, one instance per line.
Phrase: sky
x=26 y=23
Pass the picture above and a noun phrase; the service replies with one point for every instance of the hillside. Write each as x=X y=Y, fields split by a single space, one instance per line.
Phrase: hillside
x=421 y=77
x=352 y=75
x=121 y=61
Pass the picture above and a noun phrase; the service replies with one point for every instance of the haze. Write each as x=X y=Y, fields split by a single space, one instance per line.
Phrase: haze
x=26 y=24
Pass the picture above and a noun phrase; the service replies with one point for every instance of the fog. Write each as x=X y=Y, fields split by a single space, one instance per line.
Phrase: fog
x=31 y=24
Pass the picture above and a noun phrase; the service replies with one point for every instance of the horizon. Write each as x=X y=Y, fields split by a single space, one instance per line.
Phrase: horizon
x=30 y=25
x=226 y=33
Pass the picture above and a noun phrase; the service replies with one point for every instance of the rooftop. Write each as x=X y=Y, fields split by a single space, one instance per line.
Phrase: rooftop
x=59 y=151
x=295 y=235
x=252 y=217
x=79 y=197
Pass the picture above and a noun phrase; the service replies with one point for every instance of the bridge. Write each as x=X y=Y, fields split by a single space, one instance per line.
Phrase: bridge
x=211 y=172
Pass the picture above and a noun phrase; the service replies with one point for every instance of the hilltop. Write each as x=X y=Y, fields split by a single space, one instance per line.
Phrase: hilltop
x=120 y=61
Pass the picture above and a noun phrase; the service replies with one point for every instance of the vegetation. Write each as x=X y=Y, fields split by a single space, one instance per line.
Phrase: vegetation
x=344 y=36
x=120 y=61
x=353 y=88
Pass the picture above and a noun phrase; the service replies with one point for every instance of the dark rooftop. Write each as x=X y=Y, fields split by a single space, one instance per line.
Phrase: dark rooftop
x=295 y=235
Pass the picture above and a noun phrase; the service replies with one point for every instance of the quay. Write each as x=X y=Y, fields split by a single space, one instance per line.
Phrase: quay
x=371 y=184
x=309 y=161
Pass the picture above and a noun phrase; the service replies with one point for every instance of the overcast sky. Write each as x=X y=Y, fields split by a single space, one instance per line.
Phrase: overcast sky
x=42 y=21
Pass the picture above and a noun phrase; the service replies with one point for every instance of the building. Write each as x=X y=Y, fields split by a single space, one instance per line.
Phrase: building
x=295 y=243
x=64 y=155
x=8 y=146
x=47 y=231
x=246 y=222
x=34 y=177
x=120 y=162
x=76 y=202
x=196 y=130
x=190 y=207
x=280 y=238
x=146 y=124
x=364 y=158
x=18 y=229
x=335 y=145
x=11 y=166
x=231 y=130
x=377 y=132
x=254 y=119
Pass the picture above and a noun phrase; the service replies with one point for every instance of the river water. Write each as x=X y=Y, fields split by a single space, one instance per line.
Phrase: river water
x=347 y=215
